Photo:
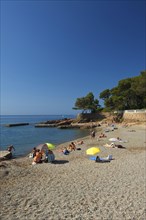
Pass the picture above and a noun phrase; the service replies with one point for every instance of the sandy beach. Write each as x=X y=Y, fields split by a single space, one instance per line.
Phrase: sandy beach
x=75 y=187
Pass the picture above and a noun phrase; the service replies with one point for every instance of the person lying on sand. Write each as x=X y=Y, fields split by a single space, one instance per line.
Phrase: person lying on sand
x=72 y=147
x=113 y=145
x=119 y=139
x=102 y=160
x=80 y=142
x=119 y=146
x=65 y=151
x=102 y=135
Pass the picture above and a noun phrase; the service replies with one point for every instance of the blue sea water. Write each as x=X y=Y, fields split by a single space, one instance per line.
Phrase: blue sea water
x=24 y=138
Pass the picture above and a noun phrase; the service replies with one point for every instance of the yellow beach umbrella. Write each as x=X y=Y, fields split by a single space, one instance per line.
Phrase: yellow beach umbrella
x=92 y=151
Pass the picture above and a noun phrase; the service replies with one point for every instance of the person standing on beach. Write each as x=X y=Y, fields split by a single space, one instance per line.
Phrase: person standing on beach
x=50 y=157
x=10 y=148
x=93 y=134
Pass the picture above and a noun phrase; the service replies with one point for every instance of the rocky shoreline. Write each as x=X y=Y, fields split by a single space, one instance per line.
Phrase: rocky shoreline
x=68 y=123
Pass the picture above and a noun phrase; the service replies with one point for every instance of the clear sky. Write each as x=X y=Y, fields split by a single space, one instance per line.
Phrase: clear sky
x=53 y=52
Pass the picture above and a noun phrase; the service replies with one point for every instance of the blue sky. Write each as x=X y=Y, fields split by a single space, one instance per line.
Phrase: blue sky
x=53 y=52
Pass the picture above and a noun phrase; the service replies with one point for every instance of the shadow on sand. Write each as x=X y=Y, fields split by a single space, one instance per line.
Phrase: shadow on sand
x=60 y=161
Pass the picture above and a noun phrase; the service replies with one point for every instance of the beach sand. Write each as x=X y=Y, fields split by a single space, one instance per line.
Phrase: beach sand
x=75 y=187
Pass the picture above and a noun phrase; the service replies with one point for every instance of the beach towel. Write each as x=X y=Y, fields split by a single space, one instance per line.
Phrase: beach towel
x=92 y=158
x=106 y=130
x=118 y=140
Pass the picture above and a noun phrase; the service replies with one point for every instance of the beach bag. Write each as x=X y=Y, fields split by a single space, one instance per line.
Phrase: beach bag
x=110 y=157
x=30 y=155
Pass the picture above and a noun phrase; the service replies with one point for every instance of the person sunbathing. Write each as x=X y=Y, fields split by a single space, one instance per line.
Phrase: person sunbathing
x=119 y=139
x=102 y=135
x=113 y=145
x=102 y=160
x=72 y=146
x=80 y=142
x=65 y=151
x=119 y=146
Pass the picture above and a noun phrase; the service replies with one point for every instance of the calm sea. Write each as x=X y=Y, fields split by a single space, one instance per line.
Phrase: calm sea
x=24 y=138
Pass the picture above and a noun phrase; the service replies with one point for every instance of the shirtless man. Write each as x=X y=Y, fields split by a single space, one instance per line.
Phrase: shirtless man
x=10 y=148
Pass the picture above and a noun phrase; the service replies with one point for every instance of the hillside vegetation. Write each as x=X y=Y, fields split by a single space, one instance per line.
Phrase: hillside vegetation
x=130 y=93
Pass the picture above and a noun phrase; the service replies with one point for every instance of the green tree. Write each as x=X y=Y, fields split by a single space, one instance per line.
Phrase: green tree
x=130 y=93
x=87 y=103
x=105 y=94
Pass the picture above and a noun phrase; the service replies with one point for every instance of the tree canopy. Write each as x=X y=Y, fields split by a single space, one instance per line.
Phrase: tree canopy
x=87 y=103
x=130 y=93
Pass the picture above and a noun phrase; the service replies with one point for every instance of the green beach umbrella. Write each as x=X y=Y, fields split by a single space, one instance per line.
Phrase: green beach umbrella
x=50 y=146
x=46 y=146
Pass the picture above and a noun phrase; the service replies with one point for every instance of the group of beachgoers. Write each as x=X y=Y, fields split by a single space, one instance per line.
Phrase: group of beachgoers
x=40 y=156
x=71 y=147
x=93 y=134
x=103 y=135
x=47 y=155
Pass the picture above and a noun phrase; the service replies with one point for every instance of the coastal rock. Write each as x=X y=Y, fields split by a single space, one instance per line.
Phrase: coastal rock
x=4 y=155
x=68 y=126
x=65 y=122
x=55 y=123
